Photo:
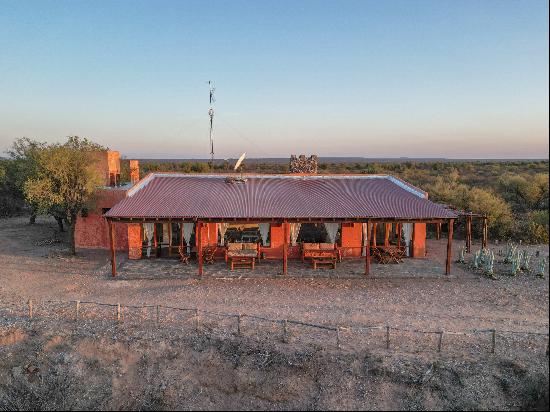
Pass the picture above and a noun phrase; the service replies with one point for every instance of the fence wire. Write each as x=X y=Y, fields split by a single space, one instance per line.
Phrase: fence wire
x=223 y=324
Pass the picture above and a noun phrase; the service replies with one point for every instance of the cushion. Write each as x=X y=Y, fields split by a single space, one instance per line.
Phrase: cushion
x=242 y=252
x=234 y=246
x=250 y=246
x=326 y=246
x=310 y=245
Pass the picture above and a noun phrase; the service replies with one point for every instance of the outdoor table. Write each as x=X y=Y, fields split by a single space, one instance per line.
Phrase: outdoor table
x=242 y=262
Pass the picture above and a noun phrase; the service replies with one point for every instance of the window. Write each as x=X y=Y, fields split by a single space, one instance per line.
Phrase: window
x=312 y=233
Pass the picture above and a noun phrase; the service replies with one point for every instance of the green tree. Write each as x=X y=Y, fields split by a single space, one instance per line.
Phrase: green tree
x=541 y=182
x=537 y=227
x=66 y=180
x=523 y=193
x=2 y=173
x=23 y=166
x=497 y=210
x=448 y=189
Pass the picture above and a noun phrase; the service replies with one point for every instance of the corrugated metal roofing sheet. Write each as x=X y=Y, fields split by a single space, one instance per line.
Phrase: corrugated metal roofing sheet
x=275 y=196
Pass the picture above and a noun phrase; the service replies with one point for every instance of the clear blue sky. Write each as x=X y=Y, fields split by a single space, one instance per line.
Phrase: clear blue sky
x=336 y=78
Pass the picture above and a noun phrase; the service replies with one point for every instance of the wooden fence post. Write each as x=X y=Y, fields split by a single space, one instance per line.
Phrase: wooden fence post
x=77 y=309
x=440 y=341
x=449 y=247
x=30 y=308
x=285 y=248
x=493 y=340
x=118 y=312
x=387 y=337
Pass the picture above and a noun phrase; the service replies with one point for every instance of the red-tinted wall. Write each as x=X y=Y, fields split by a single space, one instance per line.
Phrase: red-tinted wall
x=275 y=248
x=135 y=236
x=352 y=239
x=419 y=240
x=92 y=231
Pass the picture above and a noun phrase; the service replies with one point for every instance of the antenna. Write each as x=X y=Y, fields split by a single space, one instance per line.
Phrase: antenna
x=211 y=115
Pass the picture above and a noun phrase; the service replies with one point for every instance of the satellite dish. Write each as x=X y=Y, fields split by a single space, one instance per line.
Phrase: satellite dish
x=240 y=160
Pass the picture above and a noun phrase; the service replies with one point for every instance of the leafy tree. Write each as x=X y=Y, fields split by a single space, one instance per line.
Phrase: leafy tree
x=541 y=182
x=448 y=189
x=524 y=193
x=66 y=179
x=124 y=170
x=23 y=166
x=2 y=173
x=497 y=210
x=538 y=230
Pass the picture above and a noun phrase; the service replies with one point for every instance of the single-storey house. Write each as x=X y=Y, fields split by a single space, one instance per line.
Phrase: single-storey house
x=164 y=214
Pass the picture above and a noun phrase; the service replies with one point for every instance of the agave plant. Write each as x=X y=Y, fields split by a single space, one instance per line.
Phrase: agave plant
x=461 y=256
x=516 y=264
x=526 y=261
x=541 y=267
x=510 y=252
x=477 y=259
x=489 y=262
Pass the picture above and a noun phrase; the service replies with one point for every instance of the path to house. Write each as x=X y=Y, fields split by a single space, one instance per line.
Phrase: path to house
x=34 y=264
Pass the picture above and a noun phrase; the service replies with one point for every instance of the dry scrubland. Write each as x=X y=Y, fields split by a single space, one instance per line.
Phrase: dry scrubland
x=55 y=362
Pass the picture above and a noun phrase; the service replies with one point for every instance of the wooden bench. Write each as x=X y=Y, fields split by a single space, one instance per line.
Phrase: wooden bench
x=320 y=250
x=242 y=262
x=242 y=250
x=323 y=261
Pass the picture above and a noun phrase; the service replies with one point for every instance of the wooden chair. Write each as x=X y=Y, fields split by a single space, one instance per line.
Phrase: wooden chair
x=208 y=254
x=184 y=257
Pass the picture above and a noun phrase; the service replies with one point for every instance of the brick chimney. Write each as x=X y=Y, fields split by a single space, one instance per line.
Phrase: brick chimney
x=113 y=165
x=107 y=163
x=134 y=171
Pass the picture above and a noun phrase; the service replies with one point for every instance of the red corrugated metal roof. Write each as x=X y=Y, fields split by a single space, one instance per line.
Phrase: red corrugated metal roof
x=276 y=196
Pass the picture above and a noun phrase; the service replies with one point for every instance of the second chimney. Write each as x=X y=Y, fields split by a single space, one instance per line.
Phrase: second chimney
x=134 y=171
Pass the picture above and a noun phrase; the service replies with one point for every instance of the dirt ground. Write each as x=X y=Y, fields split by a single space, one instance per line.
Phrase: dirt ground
x=414 y=295
x=411 y=294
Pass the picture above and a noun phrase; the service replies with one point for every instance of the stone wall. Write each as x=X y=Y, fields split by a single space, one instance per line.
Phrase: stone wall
x=303 y=164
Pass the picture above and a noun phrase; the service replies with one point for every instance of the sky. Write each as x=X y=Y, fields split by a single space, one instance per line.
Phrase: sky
x=455 y=79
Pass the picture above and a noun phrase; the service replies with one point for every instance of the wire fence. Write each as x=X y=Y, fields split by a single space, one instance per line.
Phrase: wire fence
x=287 y=330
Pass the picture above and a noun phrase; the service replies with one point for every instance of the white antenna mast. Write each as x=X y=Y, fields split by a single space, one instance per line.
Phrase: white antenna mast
x=211 y=114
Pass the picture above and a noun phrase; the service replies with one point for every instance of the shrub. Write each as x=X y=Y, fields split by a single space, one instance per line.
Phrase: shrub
x=497 y=210
x=538 y=226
